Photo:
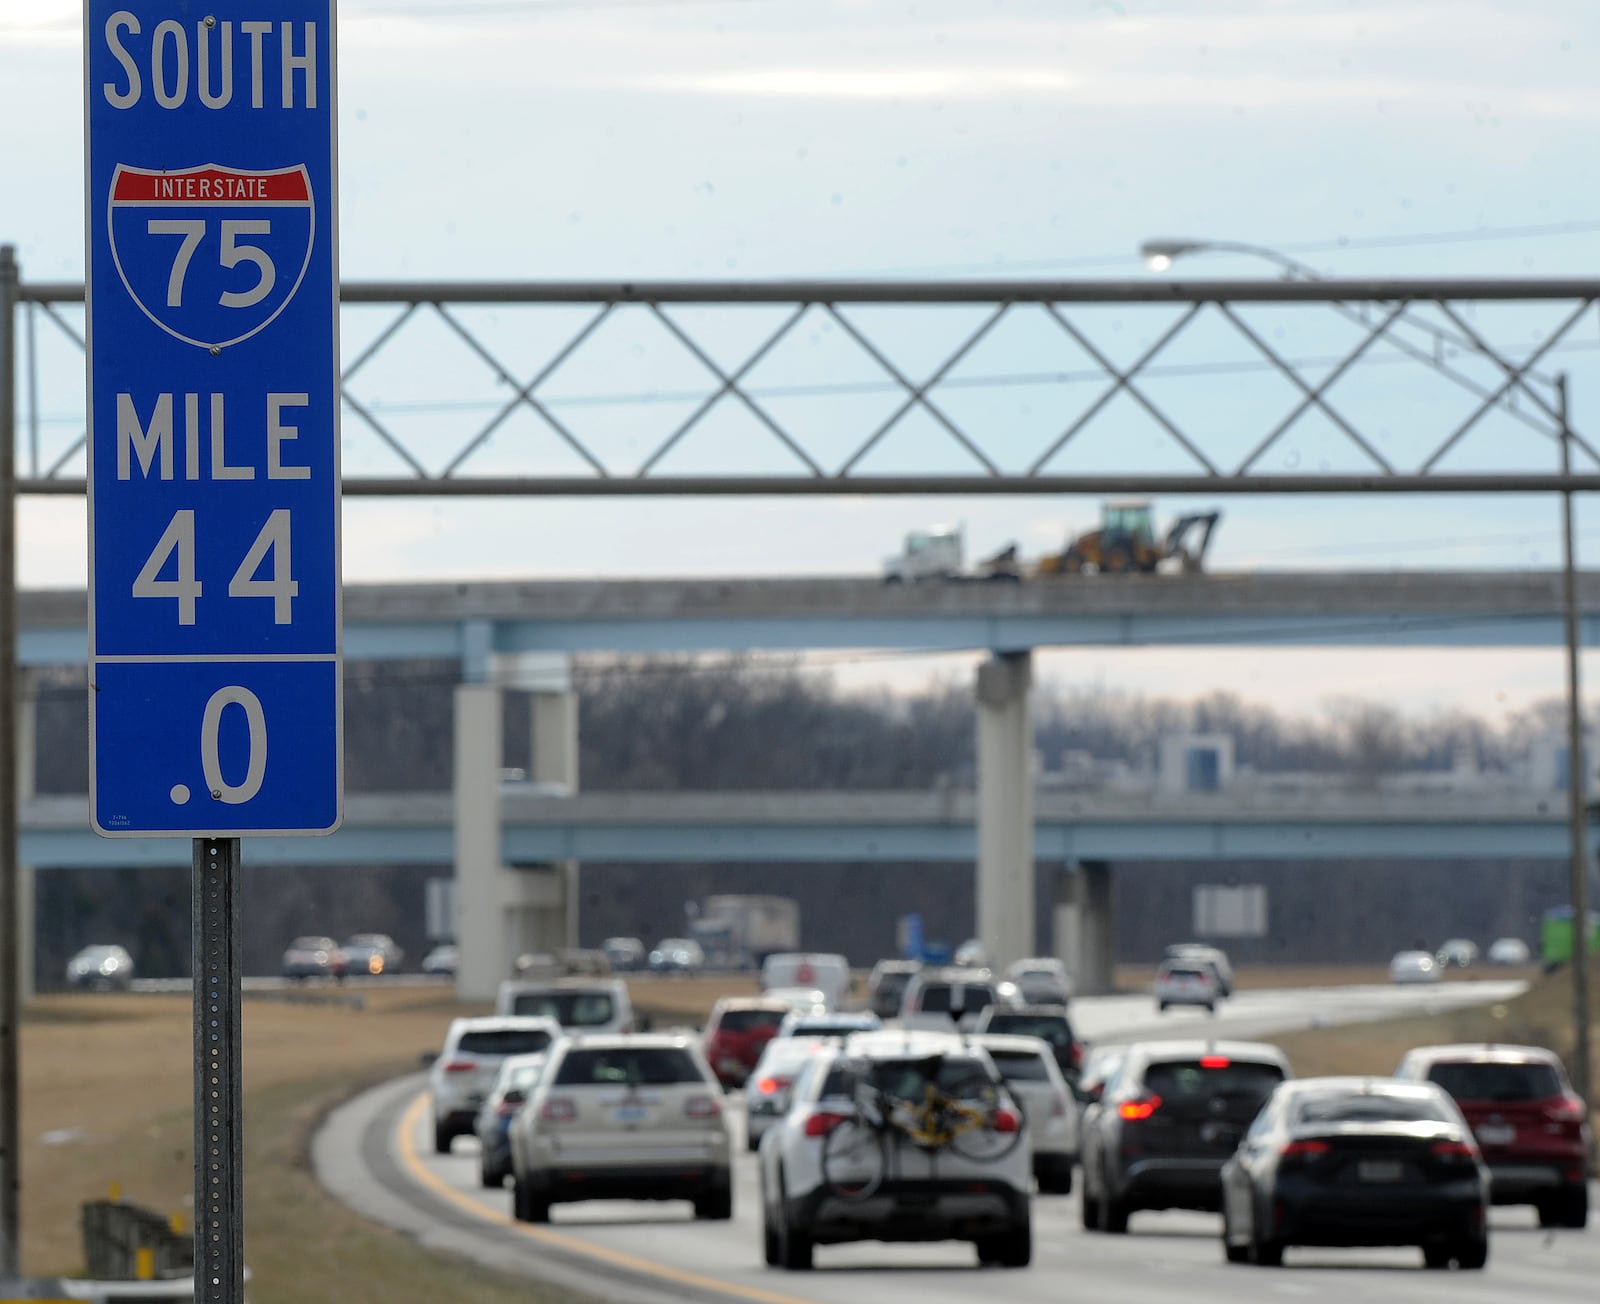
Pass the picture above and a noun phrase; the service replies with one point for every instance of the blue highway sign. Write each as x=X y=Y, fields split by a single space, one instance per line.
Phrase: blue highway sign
x=216 y=698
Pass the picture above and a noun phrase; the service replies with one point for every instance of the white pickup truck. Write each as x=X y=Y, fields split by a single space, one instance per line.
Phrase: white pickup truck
x=936 y=554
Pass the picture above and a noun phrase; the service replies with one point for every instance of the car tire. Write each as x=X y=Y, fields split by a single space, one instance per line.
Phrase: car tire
x=795 y=1247
x=751 y=1143
x=1161 y=1007
x=771 y=1243
x=1089 y=1206
x=490 y=1176
x=1113 y=1215
x=715 y=1206
x=1568 y=1209
x=526 y=1205
x=1012 y=1249
x=443 y=1135
x=1266 y=1252
x=1471 y=1255
x=1055 y=1177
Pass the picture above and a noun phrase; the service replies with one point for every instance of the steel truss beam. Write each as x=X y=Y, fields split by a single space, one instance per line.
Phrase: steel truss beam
x=1424 y=325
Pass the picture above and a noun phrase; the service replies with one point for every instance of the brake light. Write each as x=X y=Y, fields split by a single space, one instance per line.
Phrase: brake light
x=1568 y=1109
x=1076 y=1055
x=701 y=1107
x=1006 y=1121
x=822 y=1124
x=1137 y=1110
x=1214 y=1061
x=460 y=1066
x=1453 y=1151
x=558 y=1109
x=771 y=1086
x=1304 y=1150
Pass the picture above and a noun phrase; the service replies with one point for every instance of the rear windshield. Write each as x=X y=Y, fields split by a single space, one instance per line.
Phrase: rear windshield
x=891 y=982
x=942 y=998
x=1053 y=1030
x=504 y=1041
x=749 y=1020
x=1180 y=1079
x=1020 y=1066
x=1503 y=1083
x=649 y=1066
x=1184 y=971
x=1374 y=1108
x=569 y=1009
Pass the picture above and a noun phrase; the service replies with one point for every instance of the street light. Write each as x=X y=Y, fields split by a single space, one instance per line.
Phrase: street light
x=1159 y=255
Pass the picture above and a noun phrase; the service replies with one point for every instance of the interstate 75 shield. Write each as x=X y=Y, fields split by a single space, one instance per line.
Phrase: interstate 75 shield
x=252 y=232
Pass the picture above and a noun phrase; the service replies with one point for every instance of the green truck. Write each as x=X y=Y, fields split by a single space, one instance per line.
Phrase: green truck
x=1555 y=936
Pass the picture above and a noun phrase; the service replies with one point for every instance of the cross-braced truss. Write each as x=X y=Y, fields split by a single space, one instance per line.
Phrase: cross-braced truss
x=957 y=387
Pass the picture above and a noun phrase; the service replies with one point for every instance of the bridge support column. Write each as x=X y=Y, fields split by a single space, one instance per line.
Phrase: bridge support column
x=1086 y=927
x=480 y=926
x=1005 y=808
x=552 y=923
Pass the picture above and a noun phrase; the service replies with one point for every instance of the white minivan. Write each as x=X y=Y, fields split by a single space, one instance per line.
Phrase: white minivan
x=577 y=1004
x=826 y=973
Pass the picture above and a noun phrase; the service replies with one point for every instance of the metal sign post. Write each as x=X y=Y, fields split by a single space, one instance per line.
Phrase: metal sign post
x=215 y=698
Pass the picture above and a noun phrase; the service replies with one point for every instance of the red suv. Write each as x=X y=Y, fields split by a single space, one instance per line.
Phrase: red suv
x=737 y=1032
x=1532 y=1128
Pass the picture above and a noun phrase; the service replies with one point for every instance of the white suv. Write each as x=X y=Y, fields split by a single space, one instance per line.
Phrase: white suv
x=1029 y=1067
x=635 y=1117
x=463 y=1074
x=845 y=1163
x=577 y=1004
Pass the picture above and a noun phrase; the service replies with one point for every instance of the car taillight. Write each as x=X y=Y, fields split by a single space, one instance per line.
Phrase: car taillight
x=558 y=1109
x=1006 y=1121
x=460 y=1066
x=822 y=1124
x=1568 y=1109
x=1214 y=1061
x=1076 y=1055
x=1137 y=1110
x=771 y=1086
x=1454 y=1152
x=701 y=1107
x=1304 y=1150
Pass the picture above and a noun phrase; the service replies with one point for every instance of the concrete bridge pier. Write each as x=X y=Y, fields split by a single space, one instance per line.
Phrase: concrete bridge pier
x=503 y=912
x=1005 y=808
x=1086 y=927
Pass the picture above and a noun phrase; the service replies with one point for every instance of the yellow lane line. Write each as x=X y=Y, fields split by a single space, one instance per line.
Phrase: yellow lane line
x=405 y=1143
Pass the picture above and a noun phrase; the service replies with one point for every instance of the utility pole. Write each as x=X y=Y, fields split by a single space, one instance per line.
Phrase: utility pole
x=10 y=1160
x=1577 y=776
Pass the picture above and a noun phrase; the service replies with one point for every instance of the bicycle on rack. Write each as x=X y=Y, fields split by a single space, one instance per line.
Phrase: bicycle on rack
x=961 y=1112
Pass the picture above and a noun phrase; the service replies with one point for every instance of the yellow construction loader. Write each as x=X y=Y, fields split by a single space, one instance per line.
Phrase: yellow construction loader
x=1126 y=542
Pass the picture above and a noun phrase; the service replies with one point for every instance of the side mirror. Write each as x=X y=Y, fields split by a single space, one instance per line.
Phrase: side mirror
x=646 y=1023
x=428 y=1057
x=514 y=1097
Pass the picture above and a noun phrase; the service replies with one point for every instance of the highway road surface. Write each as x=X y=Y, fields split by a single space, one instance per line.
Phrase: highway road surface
x=374 y=1153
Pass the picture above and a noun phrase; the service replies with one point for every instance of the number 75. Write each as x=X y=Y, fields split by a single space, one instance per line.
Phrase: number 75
x=233 y=253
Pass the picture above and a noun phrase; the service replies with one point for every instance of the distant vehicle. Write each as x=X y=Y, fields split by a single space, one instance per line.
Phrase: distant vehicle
x=736 y=1033
x=1187 y=982
x=622 y=1118
x=515 y=1079
x=1530 y=1125
x=625 y=953
x=739 y=931
x=1457 y=953
x=886 y=984
x=766 y=1090
x=1126 y=542
x=828 y=1023
x=677 y=955
x=971 y=954
x=949 y=999
x=460 y=1079
x=1356 y=1161
x=1414 y=967
x=1215 y=956
x=442 y=960
x=830 y=1176
x=1047 y=1022
x=1555 y=935
x=1100 y=1065
x=826 y=972
x=1041 y=980
x=101 y=967
x=1509 y=951
x=314 y=957
x=1029 y=1068
x=372 y=953
x=809 y=999
x=577 y=1004
x=935 y=554
x=1163 y=1127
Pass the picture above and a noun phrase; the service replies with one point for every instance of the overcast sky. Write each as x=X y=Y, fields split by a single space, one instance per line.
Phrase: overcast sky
x=774 y=138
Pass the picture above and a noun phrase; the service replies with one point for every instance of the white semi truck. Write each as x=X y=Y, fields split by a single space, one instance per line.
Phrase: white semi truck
x=739 y=931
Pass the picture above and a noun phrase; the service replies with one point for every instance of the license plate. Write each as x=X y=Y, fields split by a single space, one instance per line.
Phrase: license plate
x=1380 y=1170
x=1497 y=1134
x=630 y=1113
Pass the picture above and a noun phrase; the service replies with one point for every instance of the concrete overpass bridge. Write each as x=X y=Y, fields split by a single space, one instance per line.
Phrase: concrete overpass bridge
x=497 y=630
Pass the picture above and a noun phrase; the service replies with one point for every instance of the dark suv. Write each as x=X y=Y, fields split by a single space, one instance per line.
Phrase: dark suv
x=887 y=984
x=1531 y=1126
x=1163 y=1126
x=1047 y=1022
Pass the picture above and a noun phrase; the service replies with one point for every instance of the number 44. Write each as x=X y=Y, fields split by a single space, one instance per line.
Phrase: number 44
x=177 y=544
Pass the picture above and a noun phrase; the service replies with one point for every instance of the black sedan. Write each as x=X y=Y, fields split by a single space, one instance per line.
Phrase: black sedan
x=1357 y=1162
